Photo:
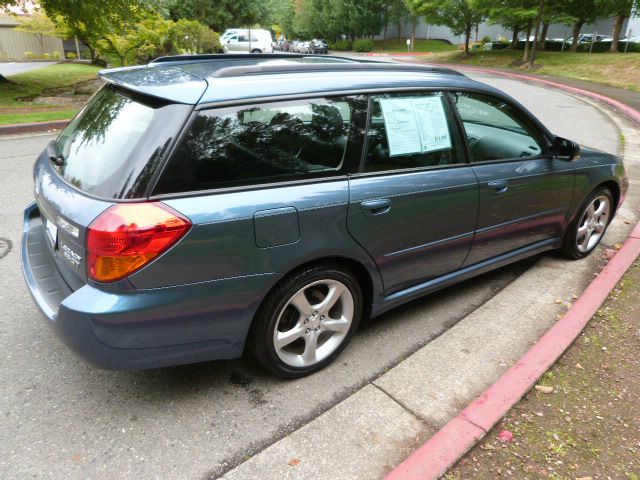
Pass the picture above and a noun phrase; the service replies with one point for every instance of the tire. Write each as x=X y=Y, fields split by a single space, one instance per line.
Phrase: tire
x=590 y=224
x=256 y=50
x=311 y=335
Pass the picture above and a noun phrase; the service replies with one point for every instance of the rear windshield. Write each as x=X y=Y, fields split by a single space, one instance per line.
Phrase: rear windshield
x=114 y=146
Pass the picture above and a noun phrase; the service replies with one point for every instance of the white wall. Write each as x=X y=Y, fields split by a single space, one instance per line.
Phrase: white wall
x=604 y=27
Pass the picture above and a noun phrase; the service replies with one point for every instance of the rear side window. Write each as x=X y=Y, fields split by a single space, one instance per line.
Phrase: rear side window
x=264 y=143
x=412 y=130
x=113 y=147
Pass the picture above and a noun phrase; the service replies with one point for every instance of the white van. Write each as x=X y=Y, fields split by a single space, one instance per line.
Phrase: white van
x=244 y=40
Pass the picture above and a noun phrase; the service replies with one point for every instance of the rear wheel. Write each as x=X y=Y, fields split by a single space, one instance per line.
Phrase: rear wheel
x=256 y=50
x=589 y=226
x=307 y=321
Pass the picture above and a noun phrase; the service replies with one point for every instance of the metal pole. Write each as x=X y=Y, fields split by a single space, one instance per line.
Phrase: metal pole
x=593 y=40
x=626 y=44
x=77 y=47
x=564 y=42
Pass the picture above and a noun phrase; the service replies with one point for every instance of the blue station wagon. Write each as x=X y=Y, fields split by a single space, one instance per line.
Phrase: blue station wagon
x=199 y=206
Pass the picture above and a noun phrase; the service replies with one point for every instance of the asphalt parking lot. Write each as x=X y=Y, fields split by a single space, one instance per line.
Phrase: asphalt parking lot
x=64 y=419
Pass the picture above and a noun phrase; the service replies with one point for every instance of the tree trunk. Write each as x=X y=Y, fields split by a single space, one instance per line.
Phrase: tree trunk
x=532 y=57
x=414 y=25
x=467 y=37
x=542 y=41
x=384 y=36
x=617 y=28
x=514 y=38
x=576 y=33
x=525 y=56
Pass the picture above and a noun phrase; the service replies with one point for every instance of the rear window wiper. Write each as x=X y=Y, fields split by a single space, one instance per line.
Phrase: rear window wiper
x=54 y=154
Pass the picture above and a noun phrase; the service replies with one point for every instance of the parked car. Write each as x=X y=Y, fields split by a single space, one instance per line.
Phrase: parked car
x=635 y=39
x=319 y=46
x=200 y=206
x=586 y=38
x=248 y=41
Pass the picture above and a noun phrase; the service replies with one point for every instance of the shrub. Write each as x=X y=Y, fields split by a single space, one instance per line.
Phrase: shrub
x=71 y=55
x=46 y=56
x=363 y=45
x=29 y=55
x=485 y=39
x=56 y=55
x=341 y=45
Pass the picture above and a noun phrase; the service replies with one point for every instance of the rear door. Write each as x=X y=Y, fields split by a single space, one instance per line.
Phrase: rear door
x=414 y=204
x=524 y=191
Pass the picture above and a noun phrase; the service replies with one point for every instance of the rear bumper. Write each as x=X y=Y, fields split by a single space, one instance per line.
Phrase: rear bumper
x=138 y=329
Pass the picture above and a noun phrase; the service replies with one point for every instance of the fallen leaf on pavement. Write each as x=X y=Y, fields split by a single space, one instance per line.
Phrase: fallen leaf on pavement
x=544 y=389
x=294 y=461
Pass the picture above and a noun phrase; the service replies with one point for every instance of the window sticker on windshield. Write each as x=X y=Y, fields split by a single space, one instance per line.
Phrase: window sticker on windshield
x=415 y=125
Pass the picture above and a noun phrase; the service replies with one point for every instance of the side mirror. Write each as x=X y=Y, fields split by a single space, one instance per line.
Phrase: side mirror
x=565 y=149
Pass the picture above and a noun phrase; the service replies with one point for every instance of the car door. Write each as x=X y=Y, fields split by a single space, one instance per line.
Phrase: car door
x=524 y=191
x=414 y=204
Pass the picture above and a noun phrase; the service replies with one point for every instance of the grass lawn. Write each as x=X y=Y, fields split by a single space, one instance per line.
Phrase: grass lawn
x=620 y=70
x=422 y=45
x=31 y=84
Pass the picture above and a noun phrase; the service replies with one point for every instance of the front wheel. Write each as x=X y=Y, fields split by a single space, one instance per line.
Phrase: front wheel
x=306 y=321
x=589 y=226
x=255 y=50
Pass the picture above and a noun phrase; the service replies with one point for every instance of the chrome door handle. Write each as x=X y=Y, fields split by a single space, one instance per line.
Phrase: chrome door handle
x=378 y=206
x=498 y=186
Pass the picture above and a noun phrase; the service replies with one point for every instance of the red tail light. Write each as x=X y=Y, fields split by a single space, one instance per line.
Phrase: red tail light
x=128 y=236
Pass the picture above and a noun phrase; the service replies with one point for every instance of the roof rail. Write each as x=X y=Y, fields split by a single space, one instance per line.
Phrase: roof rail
x=247 y=70
x=238 y=56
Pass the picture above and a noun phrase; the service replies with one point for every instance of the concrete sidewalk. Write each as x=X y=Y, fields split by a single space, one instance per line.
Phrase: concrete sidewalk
x=371 y=432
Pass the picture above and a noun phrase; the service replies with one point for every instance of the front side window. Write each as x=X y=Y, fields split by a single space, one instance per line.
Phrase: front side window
x=495 y=130
x=263 y=143
x=412 y=130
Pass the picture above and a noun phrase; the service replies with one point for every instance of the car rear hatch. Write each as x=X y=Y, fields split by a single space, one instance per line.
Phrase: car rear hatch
x=110 y=153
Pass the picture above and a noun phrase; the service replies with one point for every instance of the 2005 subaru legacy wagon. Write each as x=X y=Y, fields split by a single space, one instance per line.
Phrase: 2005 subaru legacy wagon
x=198 y=205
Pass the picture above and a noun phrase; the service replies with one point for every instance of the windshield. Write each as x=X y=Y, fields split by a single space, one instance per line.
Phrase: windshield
x=107 y=149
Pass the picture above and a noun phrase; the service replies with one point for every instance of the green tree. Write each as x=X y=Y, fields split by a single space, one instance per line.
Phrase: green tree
x=516 y=15
x=190 y=36
x=459 y=15
x=92 y=21
x=281 y=16
x=220 y=14
x=620 y=10
x=579 y=12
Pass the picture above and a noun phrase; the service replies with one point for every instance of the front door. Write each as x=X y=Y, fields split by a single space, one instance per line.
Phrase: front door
x=524 y=192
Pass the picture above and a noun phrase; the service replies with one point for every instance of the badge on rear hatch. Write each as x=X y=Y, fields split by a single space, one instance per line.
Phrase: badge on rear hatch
x=72 y=257
x=52 y=231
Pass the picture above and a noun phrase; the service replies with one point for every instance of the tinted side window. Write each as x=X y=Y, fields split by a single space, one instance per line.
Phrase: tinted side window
x=263 y=143
x=412 y=130
x=496 y=130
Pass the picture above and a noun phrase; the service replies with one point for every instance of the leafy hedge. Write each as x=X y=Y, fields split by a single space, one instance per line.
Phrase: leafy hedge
x=340 y=45
x=363 y=45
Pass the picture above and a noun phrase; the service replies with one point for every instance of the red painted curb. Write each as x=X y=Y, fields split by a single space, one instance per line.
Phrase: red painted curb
x=442 y=450
x=17 y=128
x=447 y=446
